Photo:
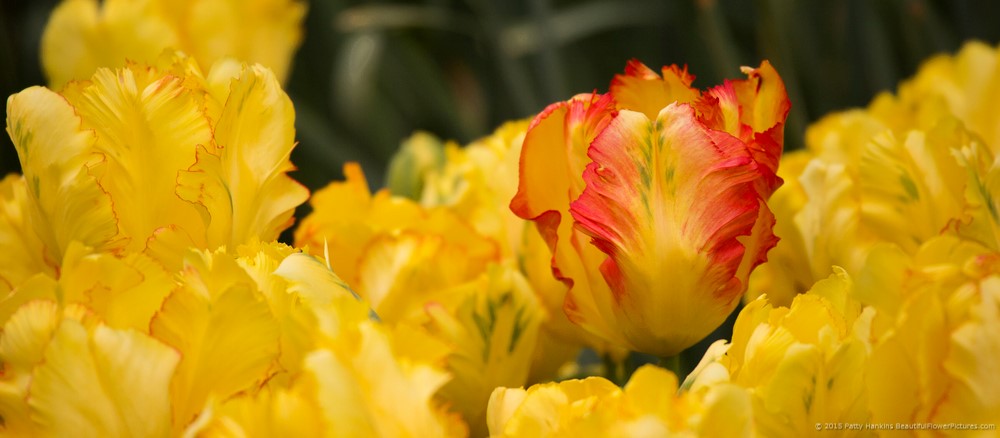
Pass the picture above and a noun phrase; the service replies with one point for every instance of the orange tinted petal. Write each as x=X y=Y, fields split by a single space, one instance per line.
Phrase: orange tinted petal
x=668 y=201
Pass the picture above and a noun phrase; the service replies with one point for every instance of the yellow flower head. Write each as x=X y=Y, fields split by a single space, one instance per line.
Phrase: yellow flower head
x=935 y=350
x=395 y=253
x=492 y=334
x=648 y=406
x=908 y=168
x=157 y=158
x=84 y=35
x=861 y=184
x=476 y=182
x=338 y=371
x=426 y=270
x=802 y=364
x=965 y=85
x=66 y=373
x=241 y=326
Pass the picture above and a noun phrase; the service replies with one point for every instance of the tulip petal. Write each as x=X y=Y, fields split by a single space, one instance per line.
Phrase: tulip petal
x=148 y=126
x=554 y=154
x=228 y=340
x=553 y=157
x=669 y=201
x=67 y=203
x=764 y=105
x=242 y=185
x=23 y=255
x=83 y=35
x=641 y=89
x=102 y=382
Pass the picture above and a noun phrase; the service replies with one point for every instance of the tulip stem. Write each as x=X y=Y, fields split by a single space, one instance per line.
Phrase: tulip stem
x=672 y=363
x=615 y=369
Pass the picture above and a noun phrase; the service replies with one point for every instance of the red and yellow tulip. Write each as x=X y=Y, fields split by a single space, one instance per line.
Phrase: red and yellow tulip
x=653 y=200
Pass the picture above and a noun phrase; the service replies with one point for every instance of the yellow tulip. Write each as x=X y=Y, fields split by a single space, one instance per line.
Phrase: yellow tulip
x=935 y=352
x=84 y=35
x=653 y=200
x=648 y=406
x=861 y=184
x=803 y=365
x=964 y=85
x=908 y=168
x=477 y=182
x=354 y=375
x=492 y=334
x=395 y=253
x=239 y=326
x=66 y=373
x=427 y=271
x=156 y=159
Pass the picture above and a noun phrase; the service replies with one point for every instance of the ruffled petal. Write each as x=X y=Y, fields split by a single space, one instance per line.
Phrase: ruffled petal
x=668 y=200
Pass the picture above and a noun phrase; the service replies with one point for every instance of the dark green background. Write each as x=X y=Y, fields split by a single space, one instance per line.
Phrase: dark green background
x=370 y=73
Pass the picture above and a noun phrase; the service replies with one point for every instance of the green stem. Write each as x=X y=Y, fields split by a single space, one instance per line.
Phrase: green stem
x=672 y=363
x=615 y=370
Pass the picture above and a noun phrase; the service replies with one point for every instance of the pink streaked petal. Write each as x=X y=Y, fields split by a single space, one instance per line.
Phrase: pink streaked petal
x=667 y=193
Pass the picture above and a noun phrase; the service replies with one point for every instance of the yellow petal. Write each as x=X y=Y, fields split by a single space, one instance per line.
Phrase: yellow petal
x=26 y=334
x=40 y=286
x=103 y=382
x=259 y=31
x=125 y=293
x=147 y=133
x=492 y=332
x=67 y=203
x=366 y=392
x=228 y=343
x=24 y=255
x=346 y=216
x=269 y=413
x=641 y=89
x=83 y=35
x=241 y=183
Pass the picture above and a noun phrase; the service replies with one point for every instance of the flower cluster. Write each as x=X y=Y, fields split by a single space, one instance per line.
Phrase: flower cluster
x=143 y=291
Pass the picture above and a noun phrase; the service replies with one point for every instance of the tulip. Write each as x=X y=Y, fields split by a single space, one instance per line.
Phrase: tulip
x=84 y=378
x=802 y=365
x=653 y=199
x=648 y=406
x=84 y=35
x=935 y=353
x=156 y=159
